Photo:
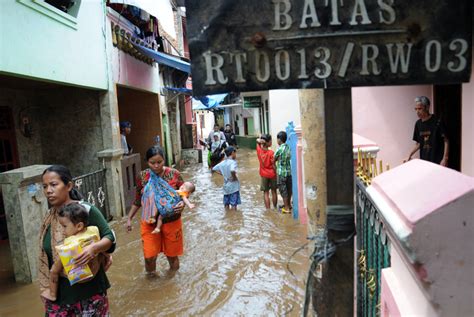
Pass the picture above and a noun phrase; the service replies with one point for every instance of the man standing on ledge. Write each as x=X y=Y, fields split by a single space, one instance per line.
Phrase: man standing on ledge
x=429 y=135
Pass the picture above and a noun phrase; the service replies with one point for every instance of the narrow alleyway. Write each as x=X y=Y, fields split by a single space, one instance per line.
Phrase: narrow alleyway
x=236 y=263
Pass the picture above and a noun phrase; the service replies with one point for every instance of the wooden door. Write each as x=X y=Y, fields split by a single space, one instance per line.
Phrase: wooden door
x=8 y=157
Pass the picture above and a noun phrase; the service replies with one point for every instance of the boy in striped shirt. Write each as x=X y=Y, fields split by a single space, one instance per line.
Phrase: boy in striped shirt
x=283 y=170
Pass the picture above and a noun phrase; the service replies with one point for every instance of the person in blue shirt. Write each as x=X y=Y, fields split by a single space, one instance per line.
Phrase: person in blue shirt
x=125 y=129
x=228 y=169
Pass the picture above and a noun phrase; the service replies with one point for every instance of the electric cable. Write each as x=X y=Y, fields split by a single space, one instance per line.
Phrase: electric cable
x=323 y=251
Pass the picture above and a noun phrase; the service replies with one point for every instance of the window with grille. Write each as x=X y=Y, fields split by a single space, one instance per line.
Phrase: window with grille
x=63 y=11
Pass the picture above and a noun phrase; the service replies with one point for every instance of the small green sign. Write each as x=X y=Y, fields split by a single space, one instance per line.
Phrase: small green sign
x=253 y=102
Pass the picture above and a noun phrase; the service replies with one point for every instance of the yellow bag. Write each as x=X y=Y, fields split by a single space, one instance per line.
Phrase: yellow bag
x=71 y=248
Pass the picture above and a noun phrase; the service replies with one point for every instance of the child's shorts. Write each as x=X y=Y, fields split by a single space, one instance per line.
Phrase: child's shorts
x=268 y=183
x=285 y=186
x=232 y=199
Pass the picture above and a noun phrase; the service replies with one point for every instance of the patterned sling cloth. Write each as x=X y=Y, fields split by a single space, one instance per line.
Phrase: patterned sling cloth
x=57 y=236
x=158 y=198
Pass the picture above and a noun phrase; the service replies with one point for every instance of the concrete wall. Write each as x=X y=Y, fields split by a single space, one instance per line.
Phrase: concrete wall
x=66 y=126
x=25 y=207
x=20 y=102
x=207 y=124
x=71 y=128
x=35 y=44
x=143 y=111
x=467 y=152
x=386 y=116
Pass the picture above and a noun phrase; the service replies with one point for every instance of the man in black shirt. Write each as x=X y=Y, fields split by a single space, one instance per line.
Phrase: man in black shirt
x=429 y=134
x=230 y=136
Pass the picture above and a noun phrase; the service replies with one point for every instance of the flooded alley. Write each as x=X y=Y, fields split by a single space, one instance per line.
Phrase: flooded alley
x=236 y=263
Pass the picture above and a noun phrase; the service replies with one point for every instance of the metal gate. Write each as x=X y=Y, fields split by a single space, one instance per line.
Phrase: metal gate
x=373 y=248
x=94 y=189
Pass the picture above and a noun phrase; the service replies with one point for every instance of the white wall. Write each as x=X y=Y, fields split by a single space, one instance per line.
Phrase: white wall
x=34 y=45
x=386 y=116
x=467 y=152
x=237 y=113
x=208 y=123
x=284 y=107
x=228 y=116
x=166 y=17
x=256 y=121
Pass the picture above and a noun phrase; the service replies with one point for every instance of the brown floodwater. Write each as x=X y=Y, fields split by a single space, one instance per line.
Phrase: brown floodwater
x=236 y=263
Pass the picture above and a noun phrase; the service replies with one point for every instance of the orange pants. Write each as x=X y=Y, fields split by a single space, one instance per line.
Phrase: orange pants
x=169 y=240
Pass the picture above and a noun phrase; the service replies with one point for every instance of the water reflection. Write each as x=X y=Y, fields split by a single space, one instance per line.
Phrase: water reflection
x=235 y=262
x=16 y=299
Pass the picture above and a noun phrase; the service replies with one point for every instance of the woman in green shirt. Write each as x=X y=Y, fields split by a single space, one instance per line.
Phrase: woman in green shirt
x=81 y=299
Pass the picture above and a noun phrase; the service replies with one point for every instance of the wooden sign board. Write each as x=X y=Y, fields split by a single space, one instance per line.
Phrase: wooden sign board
x=251 y=45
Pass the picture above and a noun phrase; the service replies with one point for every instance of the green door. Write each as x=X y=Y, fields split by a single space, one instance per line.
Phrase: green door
x=250 y=127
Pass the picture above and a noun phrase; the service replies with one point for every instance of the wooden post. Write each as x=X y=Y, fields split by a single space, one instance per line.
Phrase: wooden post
x=340 y=158
x=333 y=293
x=314 y=149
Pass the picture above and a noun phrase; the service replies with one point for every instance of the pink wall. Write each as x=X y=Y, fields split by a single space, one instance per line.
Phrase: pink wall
x=467 y=158
x=386 y=115
x=429 y=231
x=130 y=72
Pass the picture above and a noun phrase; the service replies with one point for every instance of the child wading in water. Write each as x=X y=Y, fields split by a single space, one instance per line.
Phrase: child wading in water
x=74 y=219
x=267 y=170
x=228 y=169
x=184 y=192
x=283 y=169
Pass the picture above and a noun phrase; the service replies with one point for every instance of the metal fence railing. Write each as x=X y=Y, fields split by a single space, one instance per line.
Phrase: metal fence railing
x=373 y=248
x=94 y=189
